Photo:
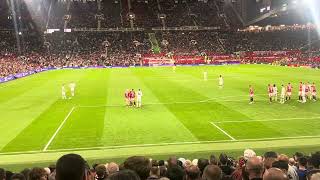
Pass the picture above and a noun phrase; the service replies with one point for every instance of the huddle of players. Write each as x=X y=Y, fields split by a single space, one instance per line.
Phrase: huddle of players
x=72 y=87
x=286 y=93
x=132 y=98
x=306 y=91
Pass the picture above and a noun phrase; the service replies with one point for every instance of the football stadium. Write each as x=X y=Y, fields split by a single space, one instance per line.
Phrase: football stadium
x=159 y=89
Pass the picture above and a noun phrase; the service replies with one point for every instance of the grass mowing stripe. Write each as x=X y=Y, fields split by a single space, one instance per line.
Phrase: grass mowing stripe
x=224 y=132
x=58 y=129
x=128 y=125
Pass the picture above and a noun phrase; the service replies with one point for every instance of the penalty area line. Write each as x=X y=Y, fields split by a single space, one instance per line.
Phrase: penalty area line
x=58 y=129
x=267 y=120
x=223 y=131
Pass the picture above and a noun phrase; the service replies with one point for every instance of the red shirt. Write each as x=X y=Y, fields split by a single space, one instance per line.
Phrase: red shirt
x=132 y=94
x=289 y=88
x=270 y=89
x=251 y=91
x=300 y=87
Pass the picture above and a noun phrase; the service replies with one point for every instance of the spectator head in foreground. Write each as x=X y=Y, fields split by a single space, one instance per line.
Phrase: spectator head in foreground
x=2 y=174
x=175 y=173
x=213 y=160
x=274 y=174
x=18 y=176
x=192 y=173
x=37 y=174
x=212 y=172
x=248 y=153
x=254 y=168
x=315 y=160
x=292 y=162
x=124 y=175
x=270 y=154
x=112 y=168
x=71 y=167
x=101 y=172
x=282 y=165
x=315 y=176
x=202 y=163
x=140 y=165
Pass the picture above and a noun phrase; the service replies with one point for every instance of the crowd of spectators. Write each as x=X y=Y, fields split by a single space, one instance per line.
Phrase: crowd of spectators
x=250 y=166
x=85 y=48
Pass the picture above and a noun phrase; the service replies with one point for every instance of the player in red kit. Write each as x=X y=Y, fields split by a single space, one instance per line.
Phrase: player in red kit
x=314 y=92
x=127 y=97
x=300 y=91
x=289 y=91
x=251 y=94
x=270 y=92
x=132 y=98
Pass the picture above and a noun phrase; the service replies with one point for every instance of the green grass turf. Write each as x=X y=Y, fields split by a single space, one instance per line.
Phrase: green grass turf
x=179 y=109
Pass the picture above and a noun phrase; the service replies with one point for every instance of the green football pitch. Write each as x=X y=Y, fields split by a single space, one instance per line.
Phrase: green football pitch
x=180 y=112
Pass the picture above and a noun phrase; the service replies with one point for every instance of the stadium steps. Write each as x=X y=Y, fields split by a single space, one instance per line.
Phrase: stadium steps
x=154 y=43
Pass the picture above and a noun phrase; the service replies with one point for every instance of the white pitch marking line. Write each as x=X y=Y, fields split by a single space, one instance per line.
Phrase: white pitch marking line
x=266 y=120
x=59 y=128
x=159 y=144
x=224 y=132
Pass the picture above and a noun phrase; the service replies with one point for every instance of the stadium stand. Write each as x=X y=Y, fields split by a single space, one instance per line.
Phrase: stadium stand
x=250 y=166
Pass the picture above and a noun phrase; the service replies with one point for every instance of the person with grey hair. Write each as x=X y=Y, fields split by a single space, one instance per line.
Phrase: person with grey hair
x=112 y=168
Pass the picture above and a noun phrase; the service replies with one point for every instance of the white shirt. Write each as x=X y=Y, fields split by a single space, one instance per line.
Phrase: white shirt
x=275 y=90
x=220 y=80
x=139 y=94
x=63 y=89
x=303 y=89
x=283 y=91
x=72 y=85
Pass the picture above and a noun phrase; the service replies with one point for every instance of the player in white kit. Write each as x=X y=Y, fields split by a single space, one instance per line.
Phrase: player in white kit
x=275 y=92
x=220 y=81
x=139 y=98
x=72 y=87
x=283 y=94
x=205 y=76
x=63 y=92
x=309 y=94
x=303 y=93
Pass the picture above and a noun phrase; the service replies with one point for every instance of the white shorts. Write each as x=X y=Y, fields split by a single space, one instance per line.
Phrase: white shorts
x=72 y=89
x=139 y=99
x=303 y=94
x=300 y=93
x=270 y=94
x=314 y=93
x=63 y=93
x=251 y=95
x=283 y=95
x=275 y=94
x=289 y=93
